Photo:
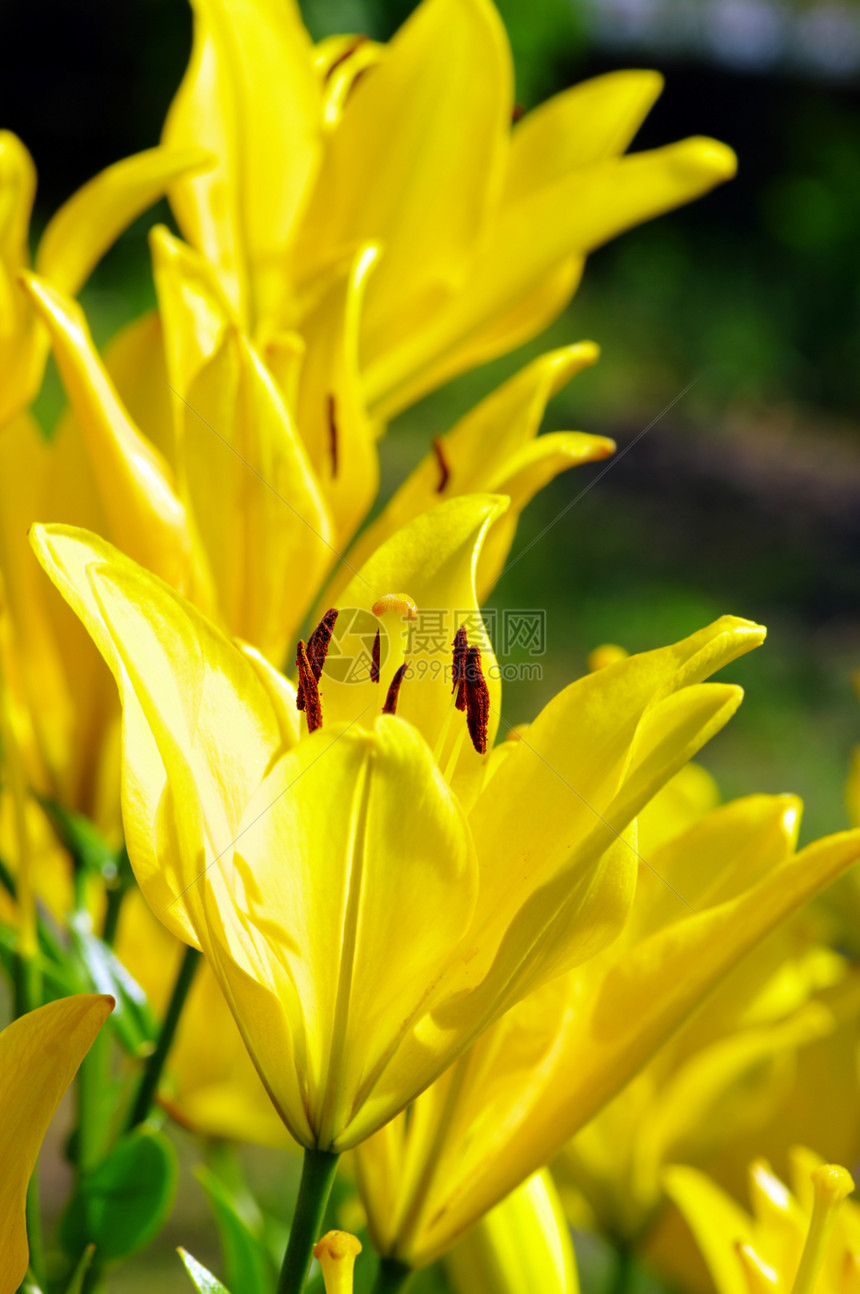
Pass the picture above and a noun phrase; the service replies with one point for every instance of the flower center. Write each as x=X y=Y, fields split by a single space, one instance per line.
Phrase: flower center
x=469 y=688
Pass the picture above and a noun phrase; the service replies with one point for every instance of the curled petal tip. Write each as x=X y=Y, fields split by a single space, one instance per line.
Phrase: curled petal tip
x=707 y=159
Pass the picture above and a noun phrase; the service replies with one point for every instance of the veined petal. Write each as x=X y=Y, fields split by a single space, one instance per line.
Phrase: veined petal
x=330 y=408
x=146 y=518
x=78 y=235
x=489 y=450
x=522 y=1245
x=636 y=723
x=39 y=1056
x=575 y=214
x=577 y=128
x=183 y=687
x=448 y=65
x=250 y=97
x=537 y=915
x=282 y=694
x=359 y=882
x=253 y=500
x=433 y=560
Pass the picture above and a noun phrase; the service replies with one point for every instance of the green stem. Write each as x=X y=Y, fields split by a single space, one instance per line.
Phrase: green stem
x=622 y=1277
x=318 y=1172
x=392 y=1277
x=28 y=995
x=93 y=1081
x=115 y=897
x=155 y=1064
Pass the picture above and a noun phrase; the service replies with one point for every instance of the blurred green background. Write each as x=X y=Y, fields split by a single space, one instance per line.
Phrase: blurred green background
x=730 y=330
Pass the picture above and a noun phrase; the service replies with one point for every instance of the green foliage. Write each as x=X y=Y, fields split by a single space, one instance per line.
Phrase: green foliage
x=132 y=1017
x=123 y=1202
x=202 y=1280
x=246 y=1262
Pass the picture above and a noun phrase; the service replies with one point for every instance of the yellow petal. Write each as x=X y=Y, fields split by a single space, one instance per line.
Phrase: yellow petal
x=183 y=685
x=577 y=213
x=442 y=93
x=359 y=881
x=522 y=1245
x=254 y=503
x=433 y=559
x=555 y=805
x=79 y=234
x=21 y=356
x=146 y=519
x=490 y=450
x=68 y=693
x=649 y=989
x=39 y=1056
x=134 y=360
x=193 y=308
x=712 y=1216
x=577 y=128
x=330 y=407
x=251 y=98
x=717 y=858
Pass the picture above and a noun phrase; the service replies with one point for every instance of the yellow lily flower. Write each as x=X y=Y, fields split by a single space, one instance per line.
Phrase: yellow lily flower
x=103 y=474
x=74 y=241
x=808 y=1242
x=362 y=928
x=39 y=1056
x=520 y=1246
x=494 y=448
x=704 y=900
x=409 y=147
x=728 y=1074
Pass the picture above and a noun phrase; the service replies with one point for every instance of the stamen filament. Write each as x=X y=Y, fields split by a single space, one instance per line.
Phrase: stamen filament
x=832 y=1184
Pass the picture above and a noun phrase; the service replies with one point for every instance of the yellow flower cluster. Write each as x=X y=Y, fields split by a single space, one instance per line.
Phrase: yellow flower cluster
x=457 y=955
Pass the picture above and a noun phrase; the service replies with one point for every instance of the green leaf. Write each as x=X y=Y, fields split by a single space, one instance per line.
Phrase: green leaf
x=83 y=841
x=132 y=1017
x=124 y=1201
x=246 y=1262
x=203 y=1281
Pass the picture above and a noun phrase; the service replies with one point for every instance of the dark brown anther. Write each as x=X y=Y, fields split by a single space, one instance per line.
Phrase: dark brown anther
x=347 y=53
x=458 y=667
x=374 y=659
x=444 y=470
x=318 y=643
x=390 y=706
x=477 y=701
x=307 y=692
x=517 y=112
x=332 y=432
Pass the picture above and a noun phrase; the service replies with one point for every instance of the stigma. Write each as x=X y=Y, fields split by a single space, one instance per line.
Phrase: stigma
x=400 y=603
